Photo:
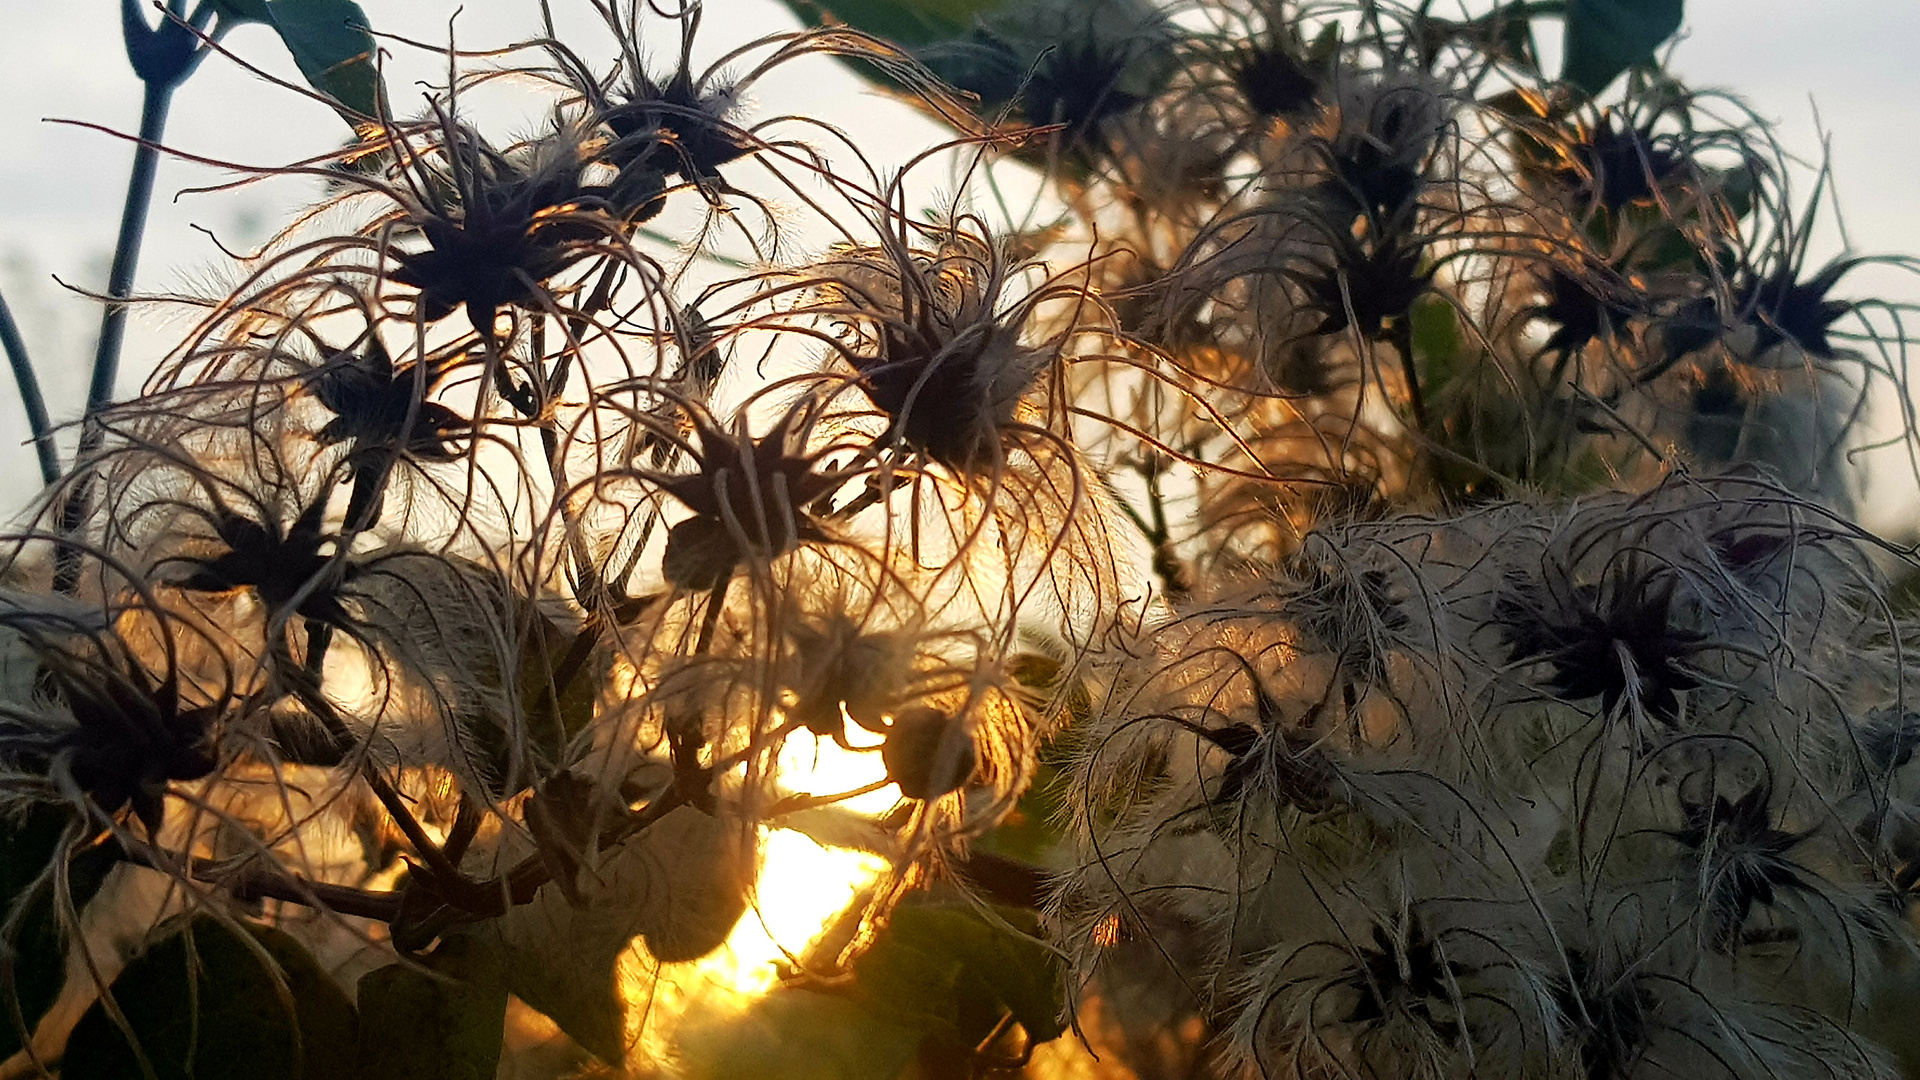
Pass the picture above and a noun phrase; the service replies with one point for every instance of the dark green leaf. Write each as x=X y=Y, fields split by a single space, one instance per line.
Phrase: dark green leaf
x=232 y=12
x=560 y=679
x=1032 y=831
x=1606 y=37
x=1437 y=339
x=440 y=1025
x=948 y=968
x=904 y=22
x=1062 y=39
x=1035 y=827
x=204 y=1003
x=330 y=43
x=999 y=50
x=799 y=1035
x=35 y=956
x=980 y=63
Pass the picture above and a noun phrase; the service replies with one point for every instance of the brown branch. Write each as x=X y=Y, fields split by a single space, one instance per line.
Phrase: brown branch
x=258 y=884
x=255 y=882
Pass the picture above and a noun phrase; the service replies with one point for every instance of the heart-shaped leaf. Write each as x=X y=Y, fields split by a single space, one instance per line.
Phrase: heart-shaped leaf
x=206 y=1003
x=800 y=1035
x=439 y=1024
x=938 y=981
x=682 y=885
x=330 y=43
x=952 y=971
x=1606 y=37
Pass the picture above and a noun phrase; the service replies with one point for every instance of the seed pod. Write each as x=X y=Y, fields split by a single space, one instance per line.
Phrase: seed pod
x=929 y=753
x=751 y=499
x=700 y=554
x=839 y=667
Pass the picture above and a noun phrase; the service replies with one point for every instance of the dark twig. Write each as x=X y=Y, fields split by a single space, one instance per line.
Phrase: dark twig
x=126 y=257
x=30 y=397
x=256 y=882
x=259 y=884
x=162 y=57
x=1410 y=369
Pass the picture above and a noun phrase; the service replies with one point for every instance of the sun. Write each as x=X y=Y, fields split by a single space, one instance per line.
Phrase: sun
x=802 y=887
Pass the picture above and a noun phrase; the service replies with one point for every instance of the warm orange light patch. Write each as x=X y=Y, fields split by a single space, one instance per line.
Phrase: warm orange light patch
x=803 y=887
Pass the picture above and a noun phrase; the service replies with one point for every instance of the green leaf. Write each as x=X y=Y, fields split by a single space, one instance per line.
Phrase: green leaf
x=443 y=1024
x=904 y=22
x=36 y=953
x=204 y=1003
x=1606 y=37
x=330 y=43
x=989 y=48
x=681 y=885
x=1137 y=34
x=560 y=679
x=1437 y=339
x=951 y=970
x=1032 y=832
x=798 y=1035
x=234 y=12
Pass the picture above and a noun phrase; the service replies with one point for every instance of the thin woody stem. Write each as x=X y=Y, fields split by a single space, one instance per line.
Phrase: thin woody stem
x=30 y=397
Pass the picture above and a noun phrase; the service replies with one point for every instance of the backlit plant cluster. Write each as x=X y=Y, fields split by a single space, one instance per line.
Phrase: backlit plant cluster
x=1350 y=578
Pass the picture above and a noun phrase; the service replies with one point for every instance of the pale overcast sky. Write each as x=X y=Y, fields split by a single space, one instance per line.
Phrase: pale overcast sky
x=61 y=187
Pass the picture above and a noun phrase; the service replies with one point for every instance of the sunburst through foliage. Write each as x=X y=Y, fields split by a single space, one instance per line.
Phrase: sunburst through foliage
x=1352 y=577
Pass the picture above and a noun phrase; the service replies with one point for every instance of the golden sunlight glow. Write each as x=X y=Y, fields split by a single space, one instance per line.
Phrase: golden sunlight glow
x=815 y=766
x=803 y=887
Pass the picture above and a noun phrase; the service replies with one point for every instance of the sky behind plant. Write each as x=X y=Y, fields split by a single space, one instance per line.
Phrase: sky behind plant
x=61 y=187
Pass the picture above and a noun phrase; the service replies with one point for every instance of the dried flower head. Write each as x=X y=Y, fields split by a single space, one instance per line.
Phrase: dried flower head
x=382 y=413
x=754 y=498
x=937 y=337
x=291 y=568
x=104 y=728
x=1631 y=637
x=682 y=124
x=497 y=225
